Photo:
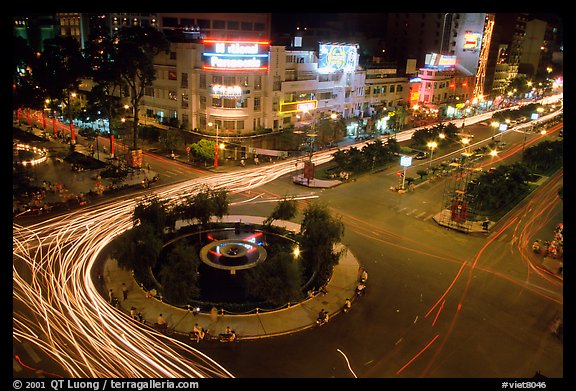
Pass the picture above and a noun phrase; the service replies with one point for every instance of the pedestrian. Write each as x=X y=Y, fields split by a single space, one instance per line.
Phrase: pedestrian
x=124 y=291
x=133 y=312
x=161 y=322
x=363 y=275
x=140 y=317
x=111 y=295
x=347 y=305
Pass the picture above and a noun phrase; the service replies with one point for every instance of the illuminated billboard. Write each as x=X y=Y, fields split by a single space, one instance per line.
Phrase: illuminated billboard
x=435 y=60
x=220 y=91
x=472 y=41
x=337 y=57
x=235 y=55
x=302 y=106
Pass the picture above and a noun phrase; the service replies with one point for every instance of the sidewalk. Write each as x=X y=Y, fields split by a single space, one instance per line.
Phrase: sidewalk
x=294 y=318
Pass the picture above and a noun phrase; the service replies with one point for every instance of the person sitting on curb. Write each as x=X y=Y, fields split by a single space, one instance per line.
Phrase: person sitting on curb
x=322 y=317
x=361 y=289
x=197 y=333
x=228 y=336
x=347 y=305
x=161 y=323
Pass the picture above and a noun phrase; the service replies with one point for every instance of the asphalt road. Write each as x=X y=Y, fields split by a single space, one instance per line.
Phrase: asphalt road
x=440 y=304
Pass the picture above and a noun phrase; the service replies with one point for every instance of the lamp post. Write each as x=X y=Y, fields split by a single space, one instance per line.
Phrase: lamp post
x=216 y=146
x=431 y=145
x=495 y=125
x=465 y=141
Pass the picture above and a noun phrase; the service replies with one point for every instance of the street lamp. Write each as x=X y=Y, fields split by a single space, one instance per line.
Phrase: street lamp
x=431 y=145
x=465 y=141
x=216 y=146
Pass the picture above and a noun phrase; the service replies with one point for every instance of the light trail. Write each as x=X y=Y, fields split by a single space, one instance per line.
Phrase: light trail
x=347 y=362
x=58 y=309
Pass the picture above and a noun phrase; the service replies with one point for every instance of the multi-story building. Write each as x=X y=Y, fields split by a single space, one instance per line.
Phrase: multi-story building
x=443 y=88
x=241 y=86
x=35 y=28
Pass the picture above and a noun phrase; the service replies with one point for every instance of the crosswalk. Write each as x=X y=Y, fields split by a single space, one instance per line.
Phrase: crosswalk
x=416 y=213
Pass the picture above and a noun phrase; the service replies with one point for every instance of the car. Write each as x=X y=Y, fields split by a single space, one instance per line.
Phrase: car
x=421 y=155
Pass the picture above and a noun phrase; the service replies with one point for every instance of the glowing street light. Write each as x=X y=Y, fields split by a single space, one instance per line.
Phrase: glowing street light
x=431 y=145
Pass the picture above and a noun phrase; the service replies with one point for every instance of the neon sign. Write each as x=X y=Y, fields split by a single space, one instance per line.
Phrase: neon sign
x=226 y=91
x=235 y=55
x=292 y=107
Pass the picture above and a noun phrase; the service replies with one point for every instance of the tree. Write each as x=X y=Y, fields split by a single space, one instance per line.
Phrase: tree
x=422 y=173
x=23 y=91
x=203 y=150
x=137 y=248
x=278 y=280
x=203 y=205
x=285 y=210
x=170 y=138
x=179 y=274
x=154 y=212
x=320 y=232
x=135 y=51
x=104 y=71
x=59 y=69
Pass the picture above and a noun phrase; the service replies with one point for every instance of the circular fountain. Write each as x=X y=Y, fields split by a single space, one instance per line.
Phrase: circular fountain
x=232 y=254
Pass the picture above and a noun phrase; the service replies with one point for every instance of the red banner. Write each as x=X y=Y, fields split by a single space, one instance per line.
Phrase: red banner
x=459 y=211
x=112 y=145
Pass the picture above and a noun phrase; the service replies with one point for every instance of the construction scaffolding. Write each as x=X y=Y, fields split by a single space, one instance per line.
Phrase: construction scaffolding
x=459 y=209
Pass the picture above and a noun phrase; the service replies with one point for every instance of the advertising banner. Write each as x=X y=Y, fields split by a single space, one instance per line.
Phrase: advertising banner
x=337 y=57
x=235 y=55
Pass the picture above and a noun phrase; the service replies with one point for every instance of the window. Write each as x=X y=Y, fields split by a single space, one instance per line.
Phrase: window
x=229 y=125
x=202 y=102
x=216 y=102
x=399 y=88
x=187 y=22
x=257 y=83
x=232 y=25
x=172 y=75
x=383 y=89
x=377 y=90
x=219 y=24
x=258 y=26
x=243 y=81
x=240 y=125
x=229 y=103
x=204 y=23
x=149 y=91
x=257 y=103
x=392 y=88
x=229 y=80
x=241 y=103
x=172 y=55
x=216 y=79
x=170 y=22
x=184 y=81
x=172 y=95
x=247 y=26
x=286 y=120
x=202 y=81
x=184 y=101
